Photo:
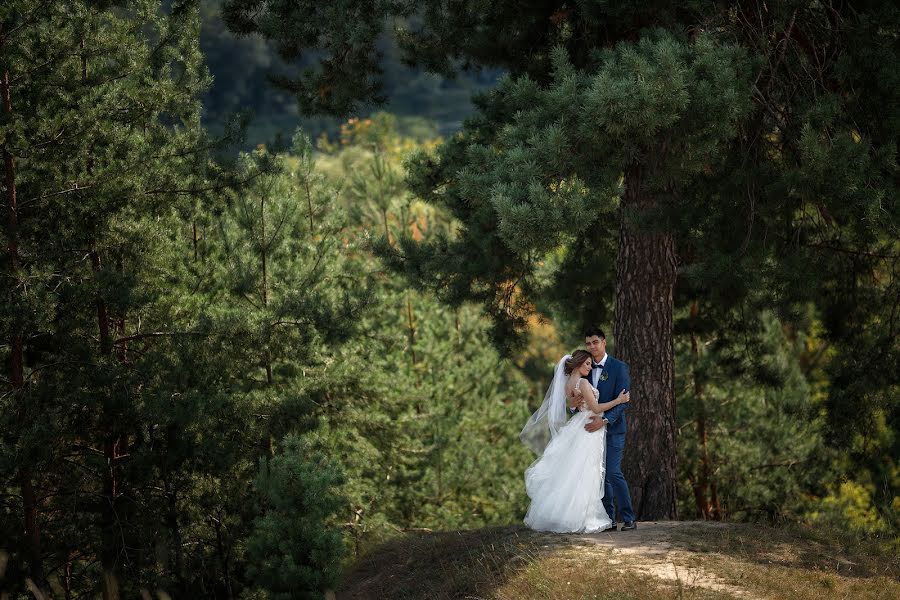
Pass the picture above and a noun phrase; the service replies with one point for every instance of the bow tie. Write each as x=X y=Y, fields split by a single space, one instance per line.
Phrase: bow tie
x=596 y=366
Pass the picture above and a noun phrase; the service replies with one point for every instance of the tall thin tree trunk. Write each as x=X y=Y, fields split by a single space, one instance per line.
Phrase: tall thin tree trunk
x=645 y=282
x=717 y=513
x=67 y=578
x=387 y=230
x=103 y=322
x=700 y=482
x=223 y=558
x=267 y=359
x=109 y=518
x=312 y=226
x=175 y=529
x=172 y=523
x=195 y=239
x=704 y=486
x=412 y=328
x=109 y=553
x=16 y=361
x=32 y=529
x=268 y=442
x=109 y=514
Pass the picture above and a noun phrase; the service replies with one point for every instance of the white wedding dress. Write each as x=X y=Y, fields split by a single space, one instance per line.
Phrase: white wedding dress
x=566 y=483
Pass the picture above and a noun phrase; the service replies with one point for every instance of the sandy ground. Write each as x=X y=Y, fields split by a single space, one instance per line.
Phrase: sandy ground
x=648 y=550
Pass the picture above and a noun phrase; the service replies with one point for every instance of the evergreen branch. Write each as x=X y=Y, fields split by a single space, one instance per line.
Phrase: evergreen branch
x=70 y=557
x=81 y=467
x=842 y=250
x=250 y=300
x=285 y=322
x=188 y=191
x=274 y=236
x=50 y=141
x=80 y=446
x=788 y=464
x=191 y=151
x=76 y=188
x=850 y=251
x=157 y=334
x=54 y=364
x=4 y=37
x=213 y=188
x=27 y=74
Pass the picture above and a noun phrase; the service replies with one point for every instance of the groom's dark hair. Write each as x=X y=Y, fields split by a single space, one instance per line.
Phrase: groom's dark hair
x=594 y=330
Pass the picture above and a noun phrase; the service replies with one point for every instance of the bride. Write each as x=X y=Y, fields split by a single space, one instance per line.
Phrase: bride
x=565 y=483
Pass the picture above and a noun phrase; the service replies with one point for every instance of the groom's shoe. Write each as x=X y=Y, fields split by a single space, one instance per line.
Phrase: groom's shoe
x=613 y=528
x=629 y=525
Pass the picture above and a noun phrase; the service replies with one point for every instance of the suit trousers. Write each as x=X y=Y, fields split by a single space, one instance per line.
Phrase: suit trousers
x=615 y=486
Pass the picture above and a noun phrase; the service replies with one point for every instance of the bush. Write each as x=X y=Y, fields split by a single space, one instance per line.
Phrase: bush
x=294 y=551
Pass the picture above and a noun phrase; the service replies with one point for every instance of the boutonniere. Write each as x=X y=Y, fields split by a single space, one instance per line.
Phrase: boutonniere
x=604 y=375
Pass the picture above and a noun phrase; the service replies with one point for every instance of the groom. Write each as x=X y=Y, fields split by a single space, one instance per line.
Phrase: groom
x=610 y=376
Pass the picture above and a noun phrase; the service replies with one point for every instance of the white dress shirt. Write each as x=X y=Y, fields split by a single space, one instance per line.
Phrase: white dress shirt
x=595 y=373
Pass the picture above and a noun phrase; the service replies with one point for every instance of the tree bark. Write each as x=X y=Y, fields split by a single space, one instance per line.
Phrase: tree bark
x=645 y=282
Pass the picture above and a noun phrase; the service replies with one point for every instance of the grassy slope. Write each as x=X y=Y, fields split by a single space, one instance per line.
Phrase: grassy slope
x=671 y=560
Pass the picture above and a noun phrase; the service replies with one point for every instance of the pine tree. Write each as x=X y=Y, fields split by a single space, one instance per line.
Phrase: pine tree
x=712 y=141
x=750 y=442
x=292 y=552
x=550 y=167
x=134 y=415
x=100 y=142
x=420 y=409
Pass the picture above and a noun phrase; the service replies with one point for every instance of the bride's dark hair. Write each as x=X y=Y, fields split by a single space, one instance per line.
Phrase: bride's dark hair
x=578 y=357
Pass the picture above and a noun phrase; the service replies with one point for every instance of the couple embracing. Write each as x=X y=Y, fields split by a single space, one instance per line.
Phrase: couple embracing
x=573 y=484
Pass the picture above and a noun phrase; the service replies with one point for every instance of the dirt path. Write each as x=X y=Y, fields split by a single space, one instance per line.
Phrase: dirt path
x=674 y=560
x=649 y=550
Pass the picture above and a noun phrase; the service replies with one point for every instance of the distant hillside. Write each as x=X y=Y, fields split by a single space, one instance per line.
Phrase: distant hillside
x=240 y=67
x=666 y=560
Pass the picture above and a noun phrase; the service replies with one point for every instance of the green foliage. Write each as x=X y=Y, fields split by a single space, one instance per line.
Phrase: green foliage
x=185 y=315
x=155 y=331
x=552 y=174
x=763 y=143
x=850 y=507
x=243 y=67
x=750 y=442
x=103 y=156
x=291 y=551
x=176 y=329
x=426 y=425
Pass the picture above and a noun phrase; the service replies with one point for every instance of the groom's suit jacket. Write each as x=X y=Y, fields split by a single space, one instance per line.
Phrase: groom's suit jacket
x=617 y=380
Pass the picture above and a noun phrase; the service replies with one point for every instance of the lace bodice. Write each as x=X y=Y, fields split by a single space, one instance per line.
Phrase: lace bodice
x=596 y=393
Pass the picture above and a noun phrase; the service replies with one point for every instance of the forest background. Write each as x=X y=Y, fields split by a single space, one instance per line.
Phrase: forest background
x=221 y=381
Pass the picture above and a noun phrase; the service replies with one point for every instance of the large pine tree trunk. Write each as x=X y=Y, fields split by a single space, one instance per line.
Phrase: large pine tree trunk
x=645 y=281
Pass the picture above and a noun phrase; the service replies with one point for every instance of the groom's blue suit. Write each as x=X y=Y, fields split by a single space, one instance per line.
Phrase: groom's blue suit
x=617 y=379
